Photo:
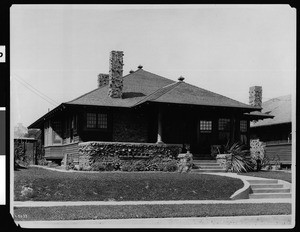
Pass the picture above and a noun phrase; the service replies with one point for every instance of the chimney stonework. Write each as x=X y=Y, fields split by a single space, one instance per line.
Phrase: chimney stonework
x=255 y=96
x=116 y=74
x=103 y=79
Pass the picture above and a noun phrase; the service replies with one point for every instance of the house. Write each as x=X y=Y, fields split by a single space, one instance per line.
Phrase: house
x=143 y=107
x=276 y=132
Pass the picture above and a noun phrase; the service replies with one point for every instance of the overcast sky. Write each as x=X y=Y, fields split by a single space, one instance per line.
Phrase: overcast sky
x=57 y=51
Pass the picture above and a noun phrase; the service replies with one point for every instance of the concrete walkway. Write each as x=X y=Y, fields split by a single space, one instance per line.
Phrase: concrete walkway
x=270 y=221
x=81 y=203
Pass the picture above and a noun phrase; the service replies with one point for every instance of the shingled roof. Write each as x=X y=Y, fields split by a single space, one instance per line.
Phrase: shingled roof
x=142 y=86
x=279 y=107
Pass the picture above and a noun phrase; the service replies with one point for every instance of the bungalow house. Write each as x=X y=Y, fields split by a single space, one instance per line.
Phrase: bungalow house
x=143 y=107
x=275 y=132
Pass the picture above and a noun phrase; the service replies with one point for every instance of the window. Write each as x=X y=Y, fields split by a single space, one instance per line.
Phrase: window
x=243 y=130
x=243 y=126
x=47 y=138
x=91 y=120
x=205 y=126
x=74 y=124
x=224 y=124
x=96 y=121
x=56 y=129
x=102 y=121
x=224 y=130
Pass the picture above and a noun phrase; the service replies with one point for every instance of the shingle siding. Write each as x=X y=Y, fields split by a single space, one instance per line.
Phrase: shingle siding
x=129 y=126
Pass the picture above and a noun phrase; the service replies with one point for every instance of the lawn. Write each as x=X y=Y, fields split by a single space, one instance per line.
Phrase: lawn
x=50 y=185
x=280 y=175
x=148 y=211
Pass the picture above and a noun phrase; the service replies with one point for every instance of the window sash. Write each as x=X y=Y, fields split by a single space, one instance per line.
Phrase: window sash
x=102 y=121
x=96 y=121
x=205 y=126
x=224 y=124
x=91 y=120
x=243 y=126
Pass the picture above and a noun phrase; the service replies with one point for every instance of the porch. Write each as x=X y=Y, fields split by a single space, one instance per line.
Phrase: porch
x=200 y=127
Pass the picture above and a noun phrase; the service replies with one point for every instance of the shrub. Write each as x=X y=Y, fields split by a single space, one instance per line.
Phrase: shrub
x=127 y=166
x=170 y=166
x=98 y=166
x=43 y=162
x=241 y=160
x=139 y=165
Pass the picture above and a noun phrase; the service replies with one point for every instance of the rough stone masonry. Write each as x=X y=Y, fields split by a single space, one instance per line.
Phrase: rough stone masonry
x=116 y=74
x=103 y=79
x=255 y=96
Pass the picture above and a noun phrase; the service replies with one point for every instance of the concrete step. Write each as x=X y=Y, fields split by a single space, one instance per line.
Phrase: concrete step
x=268 y=181
x=208 y=170
x=206 y=164
x=254 y=186
x=210 y=167
x=271 y=190
x=269 y=195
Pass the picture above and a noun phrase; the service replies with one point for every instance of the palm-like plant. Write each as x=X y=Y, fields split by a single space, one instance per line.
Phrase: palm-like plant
x=241 y=160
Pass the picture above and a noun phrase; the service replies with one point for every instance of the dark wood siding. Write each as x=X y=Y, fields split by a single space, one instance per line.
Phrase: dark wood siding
x=282 y=150
x=57 y=152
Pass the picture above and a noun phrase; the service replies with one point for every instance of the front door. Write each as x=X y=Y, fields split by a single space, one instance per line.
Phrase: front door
x=204 y=138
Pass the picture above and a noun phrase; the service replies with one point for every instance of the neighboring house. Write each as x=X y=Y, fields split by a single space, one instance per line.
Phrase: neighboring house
x=276 y=132
x=143 y=107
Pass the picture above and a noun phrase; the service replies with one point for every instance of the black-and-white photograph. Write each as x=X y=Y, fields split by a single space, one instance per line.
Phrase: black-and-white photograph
x=153 y=116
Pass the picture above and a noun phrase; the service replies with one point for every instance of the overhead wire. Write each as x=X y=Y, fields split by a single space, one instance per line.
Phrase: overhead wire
x=34 y=90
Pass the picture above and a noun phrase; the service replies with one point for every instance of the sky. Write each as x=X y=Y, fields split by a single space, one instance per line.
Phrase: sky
x=57 y=51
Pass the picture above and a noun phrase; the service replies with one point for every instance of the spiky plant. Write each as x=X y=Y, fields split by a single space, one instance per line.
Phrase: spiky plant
x=241 y=160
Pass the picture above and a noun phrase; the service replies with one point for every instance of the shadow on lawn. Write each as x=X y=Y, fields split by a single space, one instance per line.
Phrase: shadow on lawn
x=17 y=167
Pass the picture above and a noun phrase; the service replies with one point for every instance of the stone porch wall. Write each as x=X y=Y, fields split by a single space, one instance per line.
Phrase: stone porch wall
x=90 y=152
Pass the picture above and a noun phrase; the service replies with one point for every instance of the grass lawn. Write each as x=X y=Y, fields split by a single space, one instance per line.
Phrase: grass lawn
x=148 y=211
x=50 y=185
x=286 y=176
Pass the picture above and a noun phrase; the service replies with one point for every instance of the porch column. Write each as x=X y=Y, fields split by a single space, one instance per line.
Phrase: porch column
x=159 y=127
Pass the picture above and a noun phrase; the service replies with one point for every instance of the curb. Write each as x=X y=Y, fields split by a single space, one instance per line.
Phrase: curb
x=262 y=221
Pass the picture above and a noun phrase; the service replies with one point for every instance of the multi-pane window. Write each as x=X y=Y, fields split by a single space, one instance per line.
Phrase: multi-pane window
x=94 y=120
x=47 y=137
x=205 y=126
x=91 y=120
x=224 y=130
x=102 y=121
x=56 y=127
x=243 y=126
x=224 y=124
x=243 y=130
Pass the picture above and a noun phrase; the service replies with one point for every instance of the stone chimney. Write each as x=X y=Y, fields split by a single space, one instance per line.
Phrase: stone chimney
x=102 y=79
x=115 y=74
x=255 y=96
